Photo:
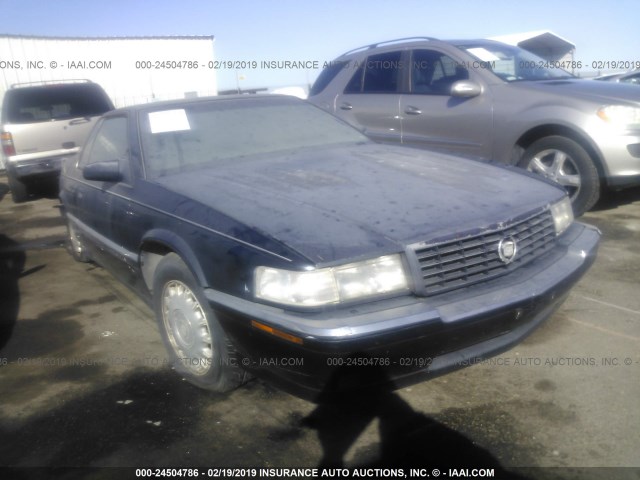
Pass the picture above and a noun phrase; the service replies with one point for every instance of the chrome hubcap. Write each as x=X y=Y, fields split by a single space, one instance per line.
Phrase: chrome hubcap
x=186 y=325
x=556 y=165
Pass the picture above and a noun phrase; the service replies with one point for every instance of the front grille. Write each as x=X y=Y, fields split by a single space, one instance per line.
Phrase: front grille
x=462 y=262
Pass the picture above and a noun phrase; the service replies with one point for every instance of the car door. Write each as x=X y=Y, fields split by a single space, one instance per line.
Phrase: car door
x=433 y=118
x=96 y=200
x=126 y=209
x=370 y=100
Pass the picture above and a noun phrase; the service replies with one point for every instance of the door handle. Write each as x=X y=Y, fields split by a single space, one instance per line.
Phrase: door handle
x=412 y=110
x=78 y=121
x=346 y=106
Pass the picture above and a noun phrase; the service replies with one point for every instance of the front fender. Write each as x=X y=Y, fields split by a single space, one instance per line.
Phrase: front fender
x=161 y=241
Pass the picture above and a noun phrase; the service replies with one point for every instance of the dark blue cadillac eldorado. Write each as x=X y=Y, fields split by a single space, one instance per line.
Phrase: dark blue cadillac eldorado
x=272 y=238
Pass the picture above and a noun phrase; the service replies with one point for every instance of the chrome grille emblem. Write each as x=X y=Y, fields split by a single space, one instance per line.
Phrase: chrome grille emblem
x=507 y=249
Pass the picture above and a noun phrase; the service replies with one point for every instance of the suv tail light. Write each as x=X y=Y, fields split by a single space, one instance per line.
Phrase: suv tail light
x=7 y=144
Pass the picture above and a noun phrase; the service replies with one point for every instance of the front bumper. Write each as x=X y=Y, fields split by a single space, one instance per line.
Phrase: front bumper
x=406 y=339
x=621 y=155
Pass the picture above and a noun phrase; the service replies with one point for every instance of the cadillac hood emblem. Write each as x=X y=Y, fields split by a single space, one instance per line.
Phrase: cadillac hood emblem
x=507 y=249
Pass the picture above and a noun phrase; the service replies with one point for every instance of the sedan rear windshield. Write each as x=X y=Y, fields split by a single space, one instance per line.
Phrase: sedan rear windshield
x=514 y=64
x=202 y=135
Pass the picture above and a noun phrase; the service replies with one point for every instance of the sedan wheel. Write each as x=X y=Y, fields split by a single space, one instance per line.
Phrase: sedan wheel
x=197 y=345
x=74 y=243
x=186 y=326
x=565 y=162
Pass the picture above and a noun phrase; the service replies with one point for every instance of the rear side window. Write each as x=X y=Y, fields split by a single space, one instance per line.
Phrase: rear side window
x=54 y=102
x=378 y=74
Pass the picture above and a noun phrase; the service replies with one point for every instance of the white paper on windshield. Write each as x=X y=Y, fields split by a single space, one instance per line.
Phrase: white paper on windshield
x=483 y=54
x=169 y=121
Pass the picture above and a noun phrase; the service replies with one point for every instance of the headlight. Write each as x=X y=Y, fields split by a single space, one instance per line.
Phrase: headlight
x=325 y=286
x=620 y=116
x=562 y=215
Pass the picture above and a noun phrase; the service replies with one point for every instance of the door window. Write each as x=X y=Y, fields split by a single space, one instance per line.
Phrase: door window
x=433 y=73
x=109 y=143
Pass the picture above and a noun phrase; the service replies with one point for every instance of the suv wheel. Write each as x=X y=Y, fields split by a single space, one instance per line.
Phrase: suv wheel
x=19 y=190
x=565 y=162
x=197 y=345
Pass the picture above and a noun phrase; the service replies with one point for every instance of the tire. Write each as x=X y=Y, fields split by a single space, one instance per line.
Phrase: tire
x=565 y=162
x=197 y=345
x=75 y=246
x=19 y=190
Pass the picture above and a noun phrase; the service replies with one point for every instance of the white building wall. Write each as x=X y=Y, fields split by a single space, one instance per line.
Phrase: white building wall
x=131 y=70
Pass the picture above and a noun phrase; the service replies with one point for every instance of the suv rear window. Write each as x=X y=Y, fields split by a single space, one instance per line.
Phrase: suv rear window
x=54 y=102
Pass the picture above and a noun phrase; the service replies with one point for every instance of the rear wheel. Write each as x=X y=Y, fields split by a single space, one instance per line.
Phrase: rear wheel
x=565 y=162
x=19 y=190
x=198 y=347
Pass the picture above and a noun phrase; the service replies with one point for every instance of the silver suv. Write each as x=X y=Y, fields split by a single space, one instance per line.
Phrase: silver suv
x=42 y=123
x=494 y=101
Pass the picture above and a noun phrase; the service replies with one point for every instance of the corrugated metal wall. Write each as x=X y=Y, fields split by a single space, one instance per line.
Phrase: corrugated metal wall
x=131 y=70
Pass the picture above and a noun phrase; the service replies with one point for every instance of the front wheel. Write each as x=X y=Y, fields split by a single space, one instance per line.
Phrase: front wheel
x=197 y=345
x=75 y=245
x=565 y=162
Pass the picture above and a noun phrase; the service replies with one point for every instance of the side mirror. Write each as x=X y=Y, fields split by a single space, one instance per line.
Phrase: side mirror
x=108 y=171
x=465 y=89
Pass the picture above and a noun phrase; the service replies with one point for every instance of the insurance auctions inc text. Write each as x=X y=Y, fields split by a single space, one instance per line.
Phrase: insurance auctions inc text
x=318 y=472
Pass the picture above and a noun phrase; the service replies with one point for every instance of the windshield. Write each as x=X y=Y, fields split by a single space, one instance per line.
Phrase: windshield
x=202 y=135
x=514 y=64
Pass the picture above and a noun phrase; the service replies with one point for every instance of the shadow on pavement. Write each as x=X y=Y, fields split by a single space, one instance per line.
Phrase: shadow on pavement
x=4 y=188
x=611 y=200
x=40 y=188
x=133 y=422
x=409 y=439
x=12 y=260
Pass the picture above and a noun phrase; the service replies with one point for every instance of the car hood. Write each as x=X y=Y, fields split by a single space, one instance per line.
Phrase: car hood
x=599 y=92
x=346 y=203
